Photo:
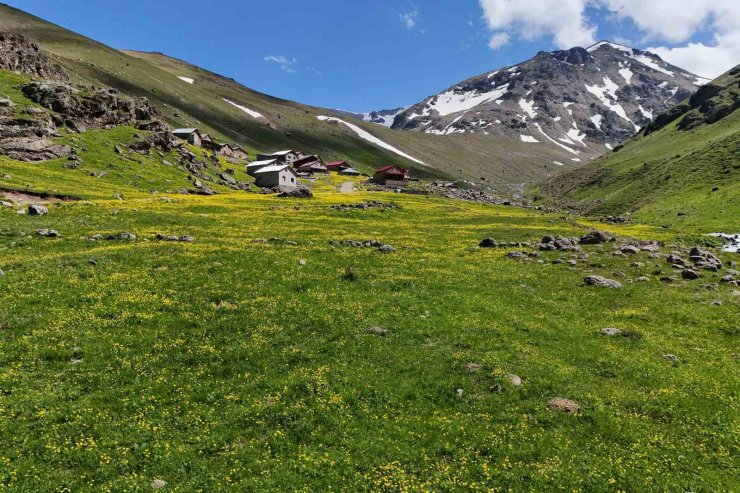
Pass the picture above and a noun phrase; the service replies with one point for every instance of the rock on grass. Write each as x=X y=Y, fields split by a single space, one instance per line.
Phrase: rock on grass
x=601 y=282
x=564 y=405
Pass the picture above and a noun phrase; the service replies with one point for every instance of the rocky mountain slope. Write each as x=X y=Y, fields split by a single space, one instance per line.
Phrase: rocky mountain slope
x=682 y=169
x=581 y=101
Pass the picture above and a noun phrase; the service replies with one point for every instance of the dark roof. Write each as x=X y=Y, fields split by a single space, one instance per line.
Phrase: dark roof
x=334 y=164
x=308 y=159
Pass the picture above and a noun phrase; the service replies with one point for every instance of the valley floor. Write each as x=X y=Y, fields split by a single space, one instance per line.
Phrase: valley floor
x=229 y=363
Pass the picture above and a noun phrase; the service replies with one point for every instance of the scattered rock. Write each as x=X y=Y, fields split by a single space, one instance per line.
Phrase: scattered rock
x=643 y=279
x=630 y=249
x=564 y=405
x=302 y=192
x=514 y=380
x=472 y=367
x=496 y=389
x=301 y=262
x=705 y=260
x=601 y=282
x=37 y=210
x=183 y=238
x=594 y=238
x=517 y=255
x=610 y=331
x=459 y=393
x=378 y=331
x=386 y=249
x=716 y=303
x=488 y=243
x=158 y=484
x=47 y=233
x=672 y=358
x=690 y=275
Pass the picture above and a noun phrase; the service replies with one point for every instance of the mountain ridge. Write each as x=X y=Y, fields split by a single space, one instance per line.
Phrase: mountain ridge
x=588 y=100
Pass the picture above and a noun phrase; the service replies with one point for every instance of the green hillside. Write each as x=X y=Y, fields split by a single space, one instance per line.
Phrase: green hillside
x=286 y=124
x=683 y=170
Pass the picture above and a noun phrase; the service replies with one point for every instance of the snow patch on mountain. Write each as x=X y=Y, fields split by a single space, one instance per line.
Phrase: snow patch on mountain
x=605 y=94
x=252 y=113
x=451 y=102
x=365 y=135
x=649 y=62
x=186 y=79
x=528 y=107
x=529 y=138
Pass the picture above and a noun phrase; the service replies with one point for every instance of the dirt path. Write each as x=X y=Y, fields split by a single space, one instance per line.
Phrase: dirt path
x=347 y=187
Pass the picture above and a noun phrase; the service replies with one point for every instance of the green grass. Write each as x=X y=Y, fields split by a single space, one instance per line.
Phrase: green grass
x=224 y=365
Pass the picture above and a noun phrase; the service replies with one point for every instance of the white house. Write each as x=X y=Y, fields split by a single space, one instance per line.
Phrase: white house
x=283 y=176
x=252 y=168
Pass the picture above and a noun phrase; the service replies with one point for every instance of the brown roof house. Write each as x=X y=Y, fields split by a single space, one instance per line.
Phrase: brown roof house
x=238 y=153
x=391 y=175
x=191 y=135
x=277 y=175
x=310 y=164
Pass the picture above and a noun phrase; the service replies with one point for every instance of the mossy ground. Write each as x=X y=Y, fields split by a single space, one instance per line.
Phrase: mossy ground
x=223 y=364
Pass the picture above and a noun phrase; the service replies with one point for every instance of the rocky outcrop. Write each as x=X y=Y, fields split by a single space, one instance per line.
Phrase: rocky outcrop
x=80 y=108
x=33 y=149
x=19 y=54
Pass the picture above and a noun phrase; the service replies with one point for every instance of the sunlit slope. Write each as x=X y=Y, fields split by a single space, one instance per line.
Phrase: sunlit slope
x=684 y=172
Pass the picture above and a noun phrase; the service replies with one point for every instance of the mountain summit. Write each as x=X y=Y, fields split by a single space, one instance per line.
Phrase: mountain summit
x=582 y=100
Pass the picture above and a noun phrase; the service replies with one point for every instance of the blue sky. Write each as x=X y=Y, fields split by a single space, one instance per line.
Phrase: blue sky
x=361 y=55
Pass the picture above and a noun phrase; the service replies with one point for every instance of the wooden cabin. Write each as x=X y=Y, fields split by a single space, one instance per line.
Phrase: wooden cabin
x=350 y=172
x=239 y=153
x=338 y=166
x=310 y=164
x=391 y=175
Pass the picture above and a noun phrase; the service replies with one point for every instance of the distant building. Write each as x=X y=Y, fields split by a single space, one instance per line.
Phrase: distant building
x=191 y=135
x=252 y=168
x=310 y=164
x=350 y=172
x=287 y=157
x=283 y=176
x=239 y=153
x=391 y=175
x=338 y=166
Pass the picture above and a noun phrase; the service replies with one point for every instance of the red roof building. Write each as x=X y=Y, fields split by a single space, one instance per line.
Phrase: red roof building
x=338 y=166
x=391 y=175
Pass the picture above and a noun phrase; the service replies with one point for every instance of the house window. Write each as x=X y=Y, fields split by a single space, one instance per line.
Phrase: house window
x=292 y=180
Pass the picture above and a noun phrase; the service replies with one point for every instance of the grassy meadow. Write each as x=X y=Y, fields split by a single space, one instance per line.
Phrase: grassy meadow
x=226 y=364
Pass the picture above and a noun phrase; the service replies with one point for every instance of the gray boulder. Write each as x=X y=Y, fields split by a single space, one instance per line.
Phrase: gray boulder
x=602 y=282
x=37 y=210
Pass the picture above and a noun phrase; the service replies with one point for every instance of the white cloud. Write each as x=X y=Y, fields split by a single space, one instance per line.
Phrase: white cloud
x=530 y=20
x=676 y=21
x=285 y=63
x=663 y=23
x=498 y=40
x=408 y=19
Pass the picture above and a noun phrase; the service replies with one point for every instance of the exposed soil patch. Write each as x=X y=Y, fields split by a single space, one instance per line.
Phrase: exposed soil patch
x=25 y=198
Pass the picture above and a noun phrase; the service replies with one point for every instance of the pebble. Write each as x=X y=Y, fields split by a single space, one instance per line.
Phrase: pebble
x=514 y=380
